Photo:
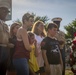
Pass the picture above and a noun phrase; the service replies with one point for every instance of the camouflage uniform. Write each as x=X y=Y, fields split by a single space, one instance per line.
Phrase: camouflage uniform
x=4 y=40
x=4 y=50
x=61 y=38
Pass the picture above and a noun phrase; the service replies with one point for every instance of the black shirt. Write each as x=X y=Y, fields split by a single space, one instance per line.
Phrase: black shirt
x=52 y=50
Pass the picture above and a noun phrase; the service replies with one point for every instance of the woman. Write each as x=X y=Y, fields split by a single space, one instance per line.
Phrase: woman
x=13 y=30
x=39 y=30
x=22 y=49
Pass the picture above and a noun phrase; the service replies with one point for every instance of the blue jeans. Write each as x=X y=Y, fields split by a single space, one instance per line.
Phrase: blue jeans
x=21 y=66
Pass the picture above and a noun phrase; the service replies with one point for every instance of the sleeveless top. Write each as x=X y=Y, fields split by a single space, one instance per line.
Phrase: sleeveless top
x=21 y=51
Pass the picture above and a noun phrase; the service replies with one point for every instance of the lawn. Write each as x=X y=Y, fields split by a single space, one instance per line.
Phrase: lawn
x=68 y=72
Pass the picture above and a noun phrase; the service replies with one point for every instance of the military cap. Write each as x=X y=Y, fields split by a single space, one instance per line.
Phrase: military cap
x=57 y=19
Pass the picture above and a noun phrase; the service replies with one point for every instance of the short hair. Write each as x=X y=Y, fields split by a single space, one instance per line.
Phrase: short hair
x=26 y=16
x=52 y=25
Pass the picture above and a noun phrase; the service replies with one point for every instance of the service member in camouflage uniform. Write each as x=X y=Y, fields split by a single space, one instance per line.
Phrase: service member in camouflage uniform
x=4 y=41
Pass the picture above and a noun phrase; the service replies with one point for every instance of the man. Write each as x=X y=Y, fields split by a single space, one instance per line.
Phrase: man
x=61 y=38
x=4 y=41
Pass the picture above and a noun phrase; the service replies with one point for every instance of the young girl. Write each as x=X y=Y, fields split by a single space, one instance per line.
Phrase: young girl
x=33 y=65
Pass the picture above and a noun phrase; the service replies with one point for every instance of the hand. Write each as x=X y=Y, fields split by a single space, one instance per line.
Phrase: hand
x=62 y=67
x=61 y=42
x=47 y=69
x=10 y=45
x=35 y=42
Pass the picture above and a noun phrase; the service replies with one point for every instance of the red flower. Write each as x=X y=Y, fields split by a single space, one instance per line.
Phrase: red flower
x=74 y=34
x=74 y=42
x=74 y=71
x=73 y=47
x=71 y=55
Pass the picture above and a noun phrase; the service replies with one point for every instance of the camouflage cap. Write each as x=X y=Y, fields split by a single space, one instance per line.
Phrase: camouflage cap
x=5 y=3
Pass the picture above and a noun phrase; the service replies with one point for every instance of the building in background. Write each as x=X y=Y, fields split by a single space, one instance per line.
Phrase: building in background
x=8 y=4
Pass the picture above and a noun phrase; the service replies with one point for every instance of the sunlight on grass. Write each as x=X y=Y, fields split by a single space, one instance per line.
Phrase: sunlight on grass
x=68 y=72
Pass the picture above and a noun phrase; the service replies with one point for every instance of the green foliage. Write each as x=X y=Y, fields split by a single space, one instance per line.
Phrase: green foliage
x=44 y=18
x=70 y=29
x=18 y=21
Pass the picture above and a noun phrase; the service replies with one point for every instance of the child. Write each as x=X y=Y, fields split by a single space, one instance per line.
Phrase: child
x=33 y=65
x=51 y=51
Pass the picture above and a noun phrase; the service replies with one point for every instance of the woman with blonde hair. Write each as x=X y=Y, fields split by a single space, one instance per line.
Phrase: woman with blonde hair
x=39 y=30
x=22 y=49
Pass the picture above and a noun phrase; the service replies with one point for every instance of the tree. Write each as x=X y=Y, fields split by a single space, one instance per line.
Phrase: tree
x=18 y=21
x=70 y=29
x=43 y=18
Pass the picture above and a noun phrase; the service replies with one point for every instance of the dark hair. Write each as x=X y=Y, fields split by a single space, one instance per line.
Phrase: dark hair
x=52 y=25
x=26 y=16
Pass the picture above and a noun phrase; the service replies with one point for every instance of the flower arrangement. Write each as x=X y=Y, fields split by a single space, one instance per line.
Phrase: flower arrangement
x=73 y=55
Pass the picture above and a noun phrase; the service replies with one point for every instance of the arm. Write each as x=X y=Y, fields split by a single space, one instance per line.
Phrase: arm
x=25 y=39
x=45 y=57
x=36 y=49
x=47 y=65
x=61 y=60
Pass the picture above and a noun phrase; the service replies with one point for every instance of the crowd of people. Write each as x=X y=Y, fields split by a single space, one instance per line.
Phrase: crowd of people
x=35 y=52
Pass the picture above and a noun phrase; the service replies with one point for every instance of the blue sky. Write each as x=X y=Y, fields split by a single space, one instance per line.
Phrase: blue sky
x=66 y=9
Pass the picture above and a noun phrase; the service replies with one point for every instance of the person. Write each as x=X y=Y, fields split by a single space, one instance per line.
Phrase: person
x=13 y=31
x=34 y=68
x=51 y=52
x=60 y=35
x=22 y=48
x=4 y=40
x=39 y=31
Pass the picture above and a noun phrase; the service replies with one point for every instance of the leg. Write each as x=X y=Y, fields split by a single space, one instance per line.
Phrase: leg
x=21 y=66
x=58 y=69
x=4 y=56
x=52 y=70
x=42 y=71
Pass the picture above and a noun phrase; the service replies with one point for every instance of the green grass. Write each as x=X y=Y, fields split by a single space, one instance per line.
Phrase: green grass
x=68 y=72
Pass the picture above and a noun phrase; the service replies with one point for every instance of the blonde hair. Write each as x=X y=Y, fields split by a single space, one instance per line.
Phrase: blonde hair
x=35 y=28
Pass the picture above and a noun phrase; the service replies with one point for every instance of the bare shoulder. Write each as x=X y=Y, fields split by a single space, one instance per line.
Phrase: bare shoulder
x=22 y=32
